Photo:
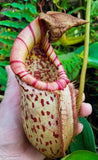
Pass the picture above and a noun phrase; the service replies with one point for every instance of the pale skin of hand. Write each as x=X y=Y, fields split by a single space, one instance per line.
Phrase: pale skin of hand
x=13 y=142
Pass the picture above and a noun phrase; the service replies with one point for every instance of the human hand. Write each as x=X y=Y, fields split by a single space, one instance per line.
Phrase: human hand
x=13 y=143
x=85 y=111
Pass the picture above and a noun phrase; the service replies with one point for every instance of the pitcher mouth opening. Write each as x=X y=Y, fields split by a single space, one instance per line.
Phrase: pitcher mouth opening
x=40 y=66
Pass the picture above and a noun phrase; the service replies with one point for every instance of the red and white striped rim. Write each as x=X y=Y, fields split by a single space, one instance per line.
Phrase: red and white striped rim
x=27 y=38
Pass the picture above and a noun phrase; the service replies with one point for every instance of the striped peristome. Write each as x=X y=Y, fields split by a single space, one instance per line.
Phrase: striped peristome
x=33 y=32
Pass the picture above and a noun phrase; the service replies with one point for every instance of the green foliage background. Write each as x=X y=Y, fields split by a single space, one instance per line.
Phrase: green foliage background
x=15 y=16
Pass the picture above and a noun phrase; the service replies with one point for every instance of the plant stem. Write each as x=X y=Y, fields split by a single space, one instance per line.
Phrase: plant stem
x=85 y=59
x=81 y=13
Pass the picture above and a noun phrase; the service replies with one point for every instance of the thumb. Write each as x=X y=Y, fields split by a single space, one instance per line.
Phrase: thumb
x=10 y=105
x=12 y=92
x=11 y=77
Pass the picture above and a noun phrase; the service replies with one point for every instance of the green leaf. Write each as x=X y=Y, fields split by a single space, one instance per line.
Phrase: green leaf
x=9 y=42
x=72 y=64
x=4 y=63
x=32 y=8
x=15 y=5
x=94 y=9
x=55 y=1
x=3 y=76
x=85 y=140
x=13 y=14
x=81 y=155
x=29 y=6
x=79 y=50
x=9 y=34
x=93 y=51
x=64 y=4
x=35 y=1
x=77 y=9
x=13 y=24
x=19 y=14
x=27 y=15
x=93 y=54
x=92 y=62
x=5 y=52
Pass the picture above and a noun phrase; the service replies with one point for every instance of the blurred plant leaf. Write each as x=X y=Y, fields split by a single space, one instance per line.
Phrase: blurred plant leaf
x=72 y=64
x=5 y=52
x=13 y=14
x=35 y=1
x=93 y=54
x=6 y=41
x=81 y=155
x=29 y=6
x=13 y=24
x=9 y=34
x=94 y=9
x=85 y=140
x=4 y=63
x=70 y=40
x=55 y=1
x=15 y=5
x=27 y=15
x=92 y=62
x=76 y=9
x=64 y=4
x=19 y=14
x=3 y=76
x=32 y=8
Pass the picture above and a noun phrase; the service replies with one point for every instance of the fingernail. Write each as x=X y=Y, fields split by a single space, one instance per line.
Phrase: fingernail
x=7 y=68
x=80 y=128
x=89 y=109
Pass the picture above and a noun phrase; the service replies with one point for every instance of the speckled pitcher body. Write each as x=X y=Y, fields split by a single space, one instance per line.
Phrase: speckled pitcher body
x=48 y=100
